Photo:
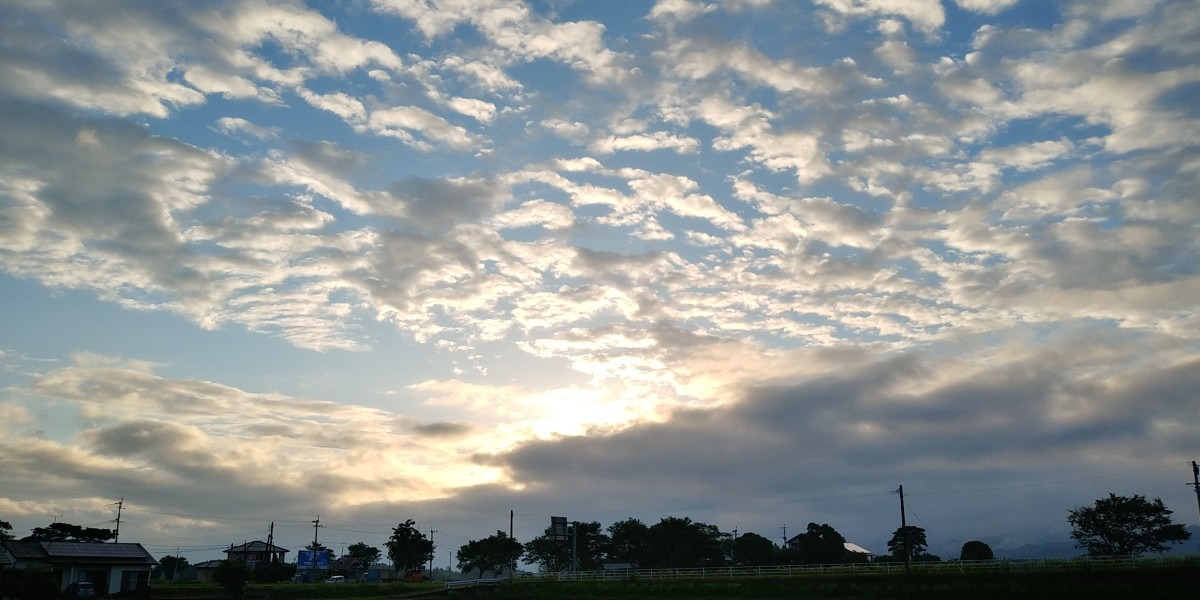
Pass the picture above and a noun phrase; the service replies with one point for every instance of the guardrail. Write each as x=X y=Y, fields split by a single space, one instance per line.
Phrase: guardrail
x=865 y=569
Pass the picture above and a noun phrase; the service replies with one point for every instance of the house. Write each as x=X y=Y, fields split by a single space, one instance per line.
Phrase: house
x=858 y=553
x=255 y=552
x=112 y=567
x=204 y=570
x=857 y=550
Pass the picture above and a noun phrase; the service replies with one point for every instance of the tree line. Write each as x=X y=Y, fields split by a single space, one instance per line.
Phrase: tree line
x=1112 y=526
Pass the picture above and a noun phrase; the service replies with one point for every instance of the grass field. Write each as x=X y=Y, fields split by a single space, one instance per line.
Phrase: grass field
x=1152 y=580
x=1174 y=582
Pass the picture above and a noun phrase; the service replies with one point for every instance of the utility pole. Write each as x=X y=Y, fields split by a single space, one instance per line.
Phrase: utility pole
x=574 y=546
x=313 y=571
x=903 y=527
x=1196 y=482
x=512 y=560
x=732 y=546
x=784 y=528
x=431 y=547
x=117 y=532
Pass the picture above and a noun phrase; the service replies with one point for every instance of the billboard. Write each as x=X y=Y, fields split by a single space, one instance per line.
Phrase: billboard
x=558 y=528
x=304 y=559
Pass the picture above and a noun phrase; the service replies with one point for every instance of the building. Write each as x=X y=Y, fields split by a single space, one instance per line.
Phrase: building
x=111 y=567
x=858 y=553
x=255 y=552
x=204 y=570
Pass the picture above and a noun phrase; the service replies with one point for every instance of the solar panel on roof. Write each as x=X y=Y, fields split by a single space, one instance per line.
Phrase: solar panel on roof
x=78 y=549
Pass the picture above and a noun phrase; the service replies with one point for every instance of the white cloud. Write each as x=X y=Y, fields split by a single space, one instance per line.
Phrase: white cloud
x=402 y=122
x=238 y=125
x=987 y=7
x=658 y=140
x=927 y=15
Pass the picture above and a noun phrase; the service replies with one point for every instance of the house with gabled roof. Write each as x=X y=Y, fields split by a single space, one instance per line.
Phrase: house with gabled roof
x=255 y=552
x=111 y=567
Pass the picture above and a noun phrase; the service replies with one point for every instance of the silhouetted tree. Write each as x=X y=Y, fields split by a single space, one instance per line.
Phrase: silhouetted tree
x=169 y=567
x=1125 y=526
x=821 y=544
x=681 y=542
x=5 y=531
x=552 y=554
x=66 y=532
x=751 y=549
x=549 y=553
x=408 y=548
x=493 y=553
x=627 y=541
x=232 y=575
x=363 y=554
x=911 y=538
x=976 y=550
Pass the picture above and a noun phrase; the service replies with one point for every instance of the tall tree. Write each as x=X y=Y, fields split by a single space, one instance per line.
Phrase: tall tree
x=1125 y=526
x=910 y=538
x=751 y=549
x=627 y=541
x=169 y=567
x=548 y=552
x=552 y=554
x=66 y=532
x=493 y=553
x=5 y=531
x=408 y=548
x=363 y=554
x=821 y=545
x=976 y=550
x=232 y=575
x=681 y=542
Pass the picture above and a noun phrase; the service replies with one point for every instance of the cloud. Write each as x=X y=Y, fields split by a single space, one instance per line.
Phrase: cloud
x=987 y=7
x=234 y=126
x=927 y=15
x=402 y=122
x=878 y=247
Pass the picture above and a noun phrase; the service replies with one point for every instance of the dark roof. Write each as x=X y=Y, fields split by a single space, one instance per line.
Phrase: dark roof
x=25 y=550
x=208 y=564
x=257 y=546
x=62 y=552
x=5 y=559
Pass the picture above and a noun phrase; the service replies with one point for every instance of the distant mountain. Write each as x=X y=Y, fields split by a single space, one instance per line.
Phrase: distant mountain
x=1067 y=549
x=1044 y=550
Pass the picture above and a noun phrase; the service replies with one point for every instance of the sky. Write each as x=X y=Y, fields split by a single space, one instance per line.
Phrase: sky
x=757 y=263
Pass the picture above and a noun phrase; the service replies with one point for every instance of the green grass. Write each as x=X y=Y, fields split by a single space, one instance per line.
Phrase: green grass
x=1173 y=582
x=1068 y=581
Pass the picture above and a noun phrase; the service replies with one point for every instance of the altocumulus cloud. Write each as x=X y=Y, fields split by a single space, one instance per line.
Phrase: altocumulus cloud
x=751 y=262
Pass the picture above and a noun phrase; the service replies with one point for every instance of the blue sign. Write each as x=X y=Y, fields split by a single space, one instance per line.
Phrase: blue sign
x=304 y=559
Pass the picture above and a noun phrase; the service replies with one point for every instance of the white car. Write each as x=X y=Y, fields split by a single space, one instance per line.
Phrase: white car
x=336 y=579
